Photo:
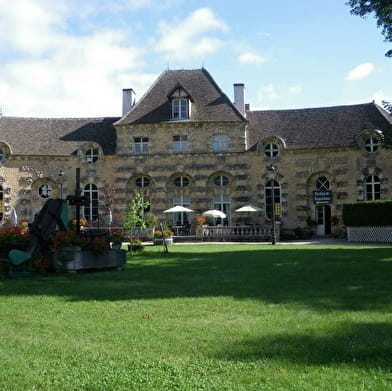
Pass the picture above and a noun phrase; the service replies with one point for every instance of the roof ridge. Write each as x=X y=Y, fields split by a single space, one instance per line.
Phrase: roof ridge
x=314 y=108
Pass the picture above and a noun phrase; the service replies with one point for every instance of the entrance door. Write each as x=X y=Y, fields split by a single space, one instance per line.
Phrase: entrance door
x=323 y=219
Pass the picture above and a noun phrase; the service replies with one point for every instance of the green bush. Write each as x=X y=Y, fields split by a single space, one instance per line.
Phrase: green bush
x=368 y=213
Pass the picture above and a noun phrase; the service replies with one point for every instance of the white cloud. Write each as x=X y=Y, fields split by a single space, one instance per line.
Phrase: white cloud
x=57 y=73
x=185 y=39
x=271 y=93
x=249 y=58
x=360 y=71
x=268 y=93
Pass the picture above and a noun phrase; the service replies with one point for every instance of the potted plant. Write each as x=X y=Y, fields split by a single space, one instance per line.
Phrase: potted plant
x=100 y=245
x=66 y=239
x=116 y=239
x=166 y=234
x=13 y=238
x=201 y=220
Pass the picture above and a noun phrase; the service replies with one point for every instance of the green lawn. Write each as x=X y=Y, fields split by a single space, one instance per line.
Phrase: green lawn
x=205 y=317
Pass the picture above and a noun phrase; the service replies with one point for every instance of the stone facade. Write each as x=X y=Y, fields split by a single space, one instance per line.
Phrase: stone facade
x=181 y=161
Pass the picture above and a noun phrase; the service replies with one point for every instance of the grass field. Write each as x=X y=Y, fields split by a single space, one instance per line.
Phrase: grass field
x=205 y=317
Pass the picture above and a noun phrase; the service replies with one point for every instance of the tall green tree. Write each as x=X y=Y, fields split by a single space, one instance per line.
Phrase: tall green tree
x=382 y=10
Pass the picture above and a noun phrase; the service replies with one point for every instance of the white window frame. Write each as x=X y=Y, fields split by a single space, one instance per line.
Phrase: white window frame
x=372 y=144
x=181 y=218
x=372 y=188
x=180 y=109
x=271 y=150
x=221 y=180
x=180 y=143
x=272 y=186
x=91 y=155
x=140 y=145
x=181 y=181
x=222 y=202
x=91 y=211
x=45 y=191
x=322 y=183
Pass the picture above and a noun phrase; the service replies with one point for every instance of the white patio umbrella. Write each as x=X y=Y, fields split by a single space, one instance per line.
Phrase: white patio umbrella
x=14 y=218
x=177 y=209
x=214 y=213
x=249 y=208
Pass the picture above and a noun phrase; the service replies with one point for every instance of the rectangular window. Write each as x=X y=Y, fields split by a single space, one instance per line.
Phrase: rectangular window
x=222 y=202
x=220 y=143
x=182 y=219
x=180 y=109
x=180 y=143
x=140 y=145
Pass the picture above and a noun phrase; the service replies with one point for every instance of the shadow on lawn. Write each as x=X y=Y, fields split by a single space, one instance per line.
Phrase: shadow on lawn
x=352 y=278
x=365 y=344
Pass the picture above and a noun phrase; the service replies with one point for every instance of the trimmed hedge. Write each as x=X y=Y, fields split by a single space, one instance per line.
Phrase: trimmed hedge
x=368 y=213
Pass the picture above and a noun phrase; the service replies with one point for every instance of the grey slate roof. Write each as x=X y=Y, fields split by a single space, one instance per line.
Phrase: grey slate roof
x=209 y=102
x=318 y=127
x=56 y=136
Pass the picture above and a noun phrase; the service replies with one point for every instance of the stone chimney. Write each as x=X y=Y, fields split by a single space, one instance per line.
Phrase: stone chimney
x=128 y=100
x=239 y=98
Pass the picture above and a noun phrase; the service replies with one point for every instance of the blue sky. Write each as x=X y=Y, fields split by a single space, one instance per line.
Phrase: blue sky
x=72 y=58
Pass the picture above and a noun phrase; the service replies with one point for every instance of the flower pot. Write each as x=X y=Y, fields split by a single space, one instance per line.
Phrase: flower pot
x=159 y=241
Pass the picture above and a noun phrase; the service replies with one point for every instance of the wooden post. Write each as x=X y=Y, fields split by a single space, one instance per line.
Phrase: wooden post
x=163 y=240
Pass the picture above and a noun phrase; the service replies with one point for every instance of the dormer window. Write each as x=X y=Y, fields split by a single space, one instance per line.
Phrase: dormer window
x=180 y=103
x=180 y=109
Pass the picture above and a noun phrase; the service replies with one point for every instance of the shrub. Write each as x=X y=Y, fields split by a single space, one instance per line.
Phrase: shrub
x=368 y=213
x=135 y=245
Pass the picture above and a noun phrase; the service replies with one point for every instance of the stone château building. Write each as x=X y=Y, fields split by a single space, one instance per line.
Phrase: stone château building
x=185 y=143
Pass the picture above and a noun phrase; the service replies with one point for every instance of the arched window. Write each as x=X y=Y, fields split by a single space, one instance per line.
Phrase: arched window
x=1 y=203
x=322 y=183
x=181 y=181
x=142 y=182
x=90 y=212
x=372 y=188
x=221 y=180
x=272 y=199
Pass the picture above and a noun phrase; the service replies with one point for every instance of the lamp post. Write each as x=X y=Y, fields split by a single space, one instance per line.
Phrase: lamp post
x=61 y=176
x=273 y=231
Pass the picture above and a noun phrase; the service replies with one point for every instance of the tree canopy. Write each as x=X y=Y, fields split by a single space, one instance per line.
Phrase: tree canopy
x=382 y=10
